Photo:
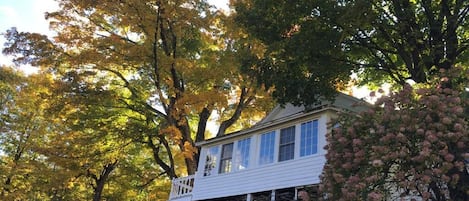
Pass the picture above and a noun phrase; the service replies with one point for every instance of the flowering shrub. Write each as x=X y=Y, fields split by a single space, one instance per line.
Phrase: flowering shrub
x=412 y=143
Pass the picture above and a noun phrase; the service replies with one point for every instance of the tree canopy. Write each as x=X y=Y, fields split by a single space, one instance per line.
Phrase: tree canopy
x=132 y=87
x=314 y=46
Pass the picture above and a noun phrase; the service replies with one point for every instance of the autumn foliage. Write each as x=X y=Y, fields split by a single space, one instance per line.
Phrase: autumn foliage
x=127 y=89
x=413 y=143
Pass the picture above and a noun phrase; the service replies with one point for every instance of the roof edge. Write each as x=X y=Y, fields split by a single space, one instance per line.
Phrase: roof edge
x=265 y=125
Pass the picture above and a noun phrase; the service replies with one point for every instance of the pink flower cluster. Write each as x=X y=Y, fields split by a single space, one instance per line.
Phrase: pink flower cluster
x=413 y=142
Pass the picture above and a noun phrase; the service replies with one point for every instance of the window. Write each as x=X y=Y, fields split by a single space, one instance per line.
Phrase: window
x=226 y=156
x=309 y=138
x=211 y=161
x=266 y=153
x=287 y=144
x=242 y=154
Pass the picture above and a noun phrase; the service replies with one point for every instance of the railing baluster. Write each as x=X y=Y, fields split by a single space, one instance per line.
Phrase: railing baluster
x=181 y=187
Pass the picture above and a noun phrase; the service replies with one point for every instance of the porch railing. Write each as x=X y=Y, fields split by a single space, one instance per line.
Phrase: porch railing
x=181 y=187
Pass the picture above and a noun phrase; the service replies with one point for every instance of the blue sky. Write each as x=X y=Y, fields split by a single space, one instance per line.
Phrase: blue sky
x=28 y=16
x=25 y=14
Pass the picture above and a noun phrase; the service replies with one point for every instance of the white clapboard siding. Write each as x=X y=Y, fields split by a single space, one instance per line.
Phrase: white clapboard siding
x=280 y=175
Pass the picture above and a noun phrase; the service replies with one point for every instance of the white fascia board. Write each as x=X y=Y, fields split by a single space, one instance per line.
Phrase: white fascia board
x=264 y=126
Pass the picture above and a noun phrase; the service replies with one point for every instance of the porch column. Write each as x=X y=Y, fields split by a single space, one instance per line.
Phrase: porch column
x=249 y=197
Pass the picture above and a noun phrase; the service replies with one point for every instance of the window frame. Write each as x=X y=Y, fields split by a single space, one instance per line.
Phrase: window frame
x=244 y=153
x=264 y=148
x=291 y=145
x=314 y=138
x=272 y=148
x=228 y=158
x=213 y=161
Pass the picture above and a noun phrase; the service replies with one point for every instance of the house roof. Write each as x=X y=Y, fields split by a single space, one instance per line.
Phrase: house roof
x=288 y=112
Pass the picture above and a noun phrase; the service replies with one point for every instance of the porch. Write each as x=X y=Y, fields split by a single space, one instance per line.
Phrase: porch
x=181 y=189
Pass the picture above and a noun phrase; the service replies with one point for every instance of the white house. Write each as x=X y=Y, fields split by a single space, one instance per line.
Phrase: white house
x=274 y=160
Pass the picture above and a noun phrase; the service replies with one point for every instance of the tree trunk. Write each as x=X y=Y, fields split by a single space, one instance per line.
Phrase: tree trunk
x=101 y=181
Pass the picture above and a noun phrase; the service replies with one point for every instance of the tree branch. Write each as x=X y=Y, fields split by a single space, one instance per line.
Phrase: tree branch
x=244 y=100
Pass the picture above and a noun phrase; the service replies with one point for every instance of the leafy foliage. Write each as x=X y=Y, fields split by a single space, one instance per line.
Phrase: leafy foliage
x=132 y=86
x=23 y=131
x=412 y=143
x=314 y=46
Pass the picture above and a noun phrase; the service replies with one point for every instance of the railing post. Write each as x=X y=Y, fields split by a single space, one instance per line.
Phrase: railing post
x=171 y=194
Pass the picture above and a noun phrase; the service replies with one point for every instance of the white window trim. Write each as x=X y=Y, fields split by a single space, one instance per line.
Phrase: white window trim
x=294 y=144
x=255 y=148
x=275 y=154
x=233 y=149
x=319 y=145
x=254 y=152
x=297 y=140
x=276 y=146
x=235 y=159
x=217 y=162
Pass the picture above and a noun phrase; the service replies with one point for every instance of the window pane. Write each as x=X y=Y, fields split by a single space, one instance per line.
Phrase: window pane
x=287 y=144
x=267 y=148
x=309 y=138
x=211 y=161
x=226 y=156
x=242 y=153
x=227 y=151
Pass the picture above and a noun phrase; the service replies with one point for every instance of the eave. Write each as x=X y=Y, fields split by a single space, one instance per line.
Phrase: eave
x=267 y=125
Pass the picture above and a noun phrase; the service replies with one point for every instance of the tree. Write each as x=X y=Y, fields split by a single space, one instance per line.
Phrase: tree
x=22 y=132
x=86 y=146
x=411 y=143
x=161 y=62
x=314 y=46
x=62 y=140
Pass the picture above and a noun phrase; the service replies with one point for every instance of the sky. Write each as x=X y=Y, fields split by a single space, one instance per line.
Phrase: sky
x=29 y=16
x=26 y=15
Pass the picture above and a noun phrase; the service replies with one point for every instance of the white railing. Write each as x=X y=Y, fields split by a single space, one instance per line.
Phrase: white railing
x=181 y=187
